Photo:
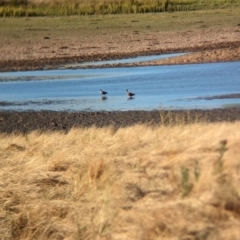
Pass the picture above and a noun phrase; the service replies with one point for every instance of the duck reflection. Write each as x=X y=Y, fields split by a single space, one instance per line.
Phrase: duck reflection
x=103 y=98
x=130 y=98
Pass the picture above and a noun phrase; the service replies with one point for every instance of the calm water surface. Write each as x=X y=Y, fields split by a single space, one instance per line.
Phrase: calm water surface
x=168 y=87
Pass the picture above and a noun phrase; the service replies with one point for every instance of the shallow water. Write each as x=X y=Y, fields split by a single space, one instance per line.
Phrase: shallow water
x=166 y=87
x=129 y=60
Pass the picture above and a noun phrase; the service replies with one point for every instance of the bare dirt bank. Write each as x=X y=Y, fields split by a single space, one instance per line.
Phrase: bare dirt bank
x=203 y=46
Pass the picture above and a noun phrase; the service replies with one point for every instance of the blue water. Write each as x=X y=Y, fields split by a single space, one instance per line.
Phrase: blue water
x=165 y=87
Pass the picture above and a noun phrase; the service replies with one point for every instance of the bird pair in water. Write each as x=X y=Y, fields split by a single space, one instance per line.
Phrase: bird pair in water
x=129 y=94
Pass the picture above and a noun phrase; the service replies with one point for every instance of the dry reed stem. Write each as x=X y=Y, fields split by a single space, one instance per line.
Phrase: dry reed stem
x=138 y=182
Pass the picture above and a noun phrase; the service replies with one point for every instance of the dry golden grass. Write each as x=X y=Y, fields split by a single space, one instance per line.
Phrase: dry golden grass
x=27 y=8
x=178 y=182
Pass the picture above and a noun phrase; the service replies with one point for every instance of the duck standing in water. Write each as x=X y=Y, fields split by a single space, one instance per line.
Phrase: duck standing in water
x=102 y=92
x=129 y=94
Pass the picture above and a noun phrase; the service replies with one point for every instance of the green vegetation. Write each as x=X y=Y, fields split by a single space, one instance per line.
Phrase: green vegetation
x=19 y=8
x=219 y=163
x=186 y=185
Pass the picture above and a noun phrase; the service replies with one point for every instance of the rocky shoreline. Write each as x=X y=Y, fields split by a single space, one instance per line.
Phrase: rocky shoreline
x=24 y=122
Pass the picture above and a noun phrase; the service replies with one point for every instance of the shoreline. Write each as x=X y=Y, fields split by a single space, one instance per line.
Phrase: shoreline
x=51 y=52
x=224 y=52
x=24 y=122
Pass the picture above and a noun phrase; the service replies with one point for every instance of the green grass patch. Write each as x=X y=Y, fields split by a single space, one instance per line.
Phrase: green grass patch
x=18 y=31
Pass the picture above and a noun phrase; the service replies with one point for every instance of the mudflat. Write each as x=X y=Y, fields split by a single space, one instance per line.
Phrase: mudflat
x=50 y=42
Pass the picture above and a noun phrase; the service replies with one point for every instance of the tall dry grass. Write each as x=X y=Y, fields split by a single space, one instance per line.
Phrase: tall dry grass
x=18 y=8
x=178 y=182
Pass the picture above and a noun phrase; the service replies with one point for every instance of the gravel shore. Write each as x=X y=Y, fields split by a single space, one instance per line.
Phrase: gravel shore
x=23 y=122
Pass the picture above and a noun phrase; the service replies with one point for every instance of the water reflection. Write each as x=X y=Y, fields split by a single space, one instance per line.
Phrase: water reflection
x=103 y=98
x=130 y=98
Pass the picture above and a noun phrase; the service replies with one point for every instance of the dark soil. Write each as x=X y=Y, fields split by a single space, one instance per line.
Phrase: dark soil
x=23 y=122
